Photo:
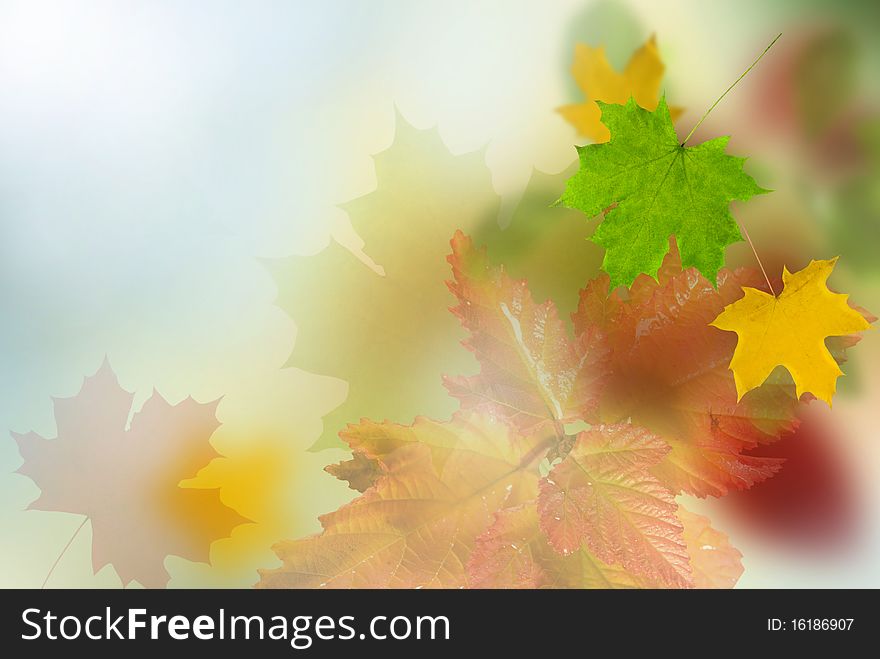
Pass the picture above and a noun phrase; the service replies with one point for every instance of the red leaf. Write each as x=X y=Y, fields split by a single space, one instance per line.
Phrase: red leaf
x=603 y=494
x=440 y=486
x=532 y=372
x=669 y=373
x=514 y=553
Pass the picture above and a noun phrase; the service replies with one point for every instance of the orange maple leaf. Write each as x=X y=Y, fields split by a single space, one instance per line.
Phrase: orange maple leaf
x=531 y=372
x=602 y=493
x=515 y=553
x=462 y=503
x=439 y=487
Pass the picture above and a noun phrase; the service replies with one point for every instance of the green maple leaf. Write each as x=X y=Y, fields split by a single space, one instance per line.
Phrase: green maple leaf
x=652 y=187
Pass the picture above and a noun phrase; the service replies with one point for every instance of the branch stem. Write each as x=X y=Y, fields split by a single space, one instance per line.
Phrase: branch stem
x=712 y=107
x=757 y=258
x=63 y=551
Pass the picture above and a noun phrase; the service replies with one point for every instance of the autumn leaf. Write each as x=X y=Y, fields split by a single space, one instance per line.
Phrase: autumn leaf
x=715 y=563
x=416 y=527
x=600 y=82
x=668 y=373
x=790 y=331
x=515 y=553
x=602 y=493
x=360 y=471
x=531 y=371
x=651 y=187
x=462 y=503
x=124 y=477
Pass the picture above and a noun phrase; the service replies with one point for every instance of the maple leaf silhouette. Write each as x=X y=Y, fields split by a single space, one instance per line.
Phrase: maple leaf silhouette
x=377 y=331
x=124 y=477
x=374 y=331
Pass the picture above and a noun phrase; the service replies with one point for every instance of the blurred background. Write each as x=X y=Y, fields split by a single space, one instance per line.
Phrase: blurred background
x=155 y=156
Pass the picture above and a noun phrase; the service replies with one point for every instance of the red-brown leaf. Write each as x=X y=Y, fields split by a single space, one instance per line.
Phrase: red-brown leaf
x=602 y=494
x=532 y=372
x=669 y=373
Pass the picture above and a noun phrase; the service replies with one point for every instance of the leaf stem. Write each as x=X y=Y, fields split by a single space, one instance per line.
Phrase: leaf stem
x=63 y=551
x=712 y=107
x=757 y=258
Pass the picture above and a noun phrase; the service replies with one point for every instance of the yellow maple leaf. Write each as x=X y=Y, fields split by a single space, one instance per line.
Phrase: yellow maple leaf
x=790 y=331
x=600 y=82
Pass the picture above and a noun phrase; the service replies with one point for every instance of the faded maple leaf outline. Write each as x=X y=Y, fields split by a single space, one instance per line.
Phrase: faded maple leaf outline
x=359 y=326
x=374 y=330
x=124 y=477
